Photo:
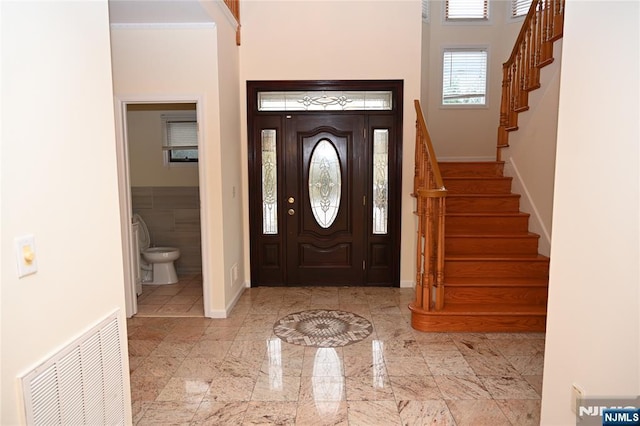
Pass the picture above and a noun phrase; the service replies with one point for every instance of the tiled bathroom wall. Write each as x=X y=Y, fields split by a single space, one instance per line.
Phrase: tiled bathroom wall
x=172 y=214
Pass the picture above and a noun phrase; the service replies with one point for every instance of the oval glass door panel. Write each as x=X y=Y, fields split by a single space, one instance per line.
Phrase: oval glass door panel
x=325 y=183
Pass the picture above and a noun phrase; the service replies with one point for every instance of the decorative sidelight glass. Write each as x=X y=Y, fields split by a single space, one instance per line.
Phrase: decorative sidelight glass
x=269 y=182
x=380 y=180
x=325 y=183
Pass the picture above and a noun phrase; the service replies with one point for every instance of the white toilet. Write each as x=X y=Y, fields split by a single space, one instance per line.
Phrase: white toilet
x=156 y=263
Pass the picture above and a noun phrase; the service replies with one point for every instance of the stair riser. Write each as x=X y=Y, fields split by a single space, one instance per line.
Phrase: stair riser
x=497 y=268
x=472 y=225
x=483 y=204
x=495 y=295
x=471 y=169
x=478 y=323
x=475 y=186
x=496 y=245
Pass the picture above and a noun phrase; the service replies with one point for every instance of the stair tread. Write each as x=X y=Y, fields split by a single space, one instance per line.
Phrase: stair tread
x=495 y=282
x=491 y=257
x=495 y=194
x=485 y=214
x=479 y=236
x=477 y=178
x=474 y=168
x=494 y=309
x=470 y=162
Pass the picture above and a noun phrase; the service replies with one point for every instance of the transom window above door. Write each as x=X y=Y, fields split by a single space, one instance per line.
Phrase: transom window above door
x=324 y=100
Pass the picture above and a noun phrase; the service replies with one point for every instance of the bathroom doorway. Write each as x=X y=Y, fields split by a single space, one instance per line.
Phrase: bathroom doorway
x=160 y=181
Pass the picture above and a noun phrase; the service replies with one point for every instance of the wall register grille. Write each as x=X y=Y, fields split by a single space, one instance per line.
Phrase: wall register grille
x=83 y=384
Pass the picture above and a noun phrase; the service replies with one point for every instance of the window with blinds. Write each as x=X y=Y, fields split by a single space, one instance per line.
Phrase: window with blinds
x=180 y=138
x=466 y=10
x=520 y=7
x=464 y=76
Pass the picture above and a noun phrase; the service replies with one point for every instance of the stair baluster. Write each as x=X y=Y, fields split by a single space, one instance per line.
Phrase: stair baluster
x=521 y=73
x=430 y=194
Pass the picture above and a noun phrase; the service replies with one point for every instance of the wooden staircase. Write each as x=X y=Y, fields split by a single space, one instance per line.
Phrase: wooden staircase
x=477 y=264
x=494 y=278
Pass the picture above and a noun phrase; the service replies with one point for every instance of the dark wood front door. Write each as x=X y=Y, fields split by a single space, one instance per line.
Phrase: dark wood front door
x=313 y=198
x=325 y=188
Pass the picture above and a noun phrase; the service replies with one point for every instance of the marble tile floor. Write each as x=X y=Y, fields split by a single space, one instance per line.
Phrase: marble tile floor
x=235 y=371
x=183 y=299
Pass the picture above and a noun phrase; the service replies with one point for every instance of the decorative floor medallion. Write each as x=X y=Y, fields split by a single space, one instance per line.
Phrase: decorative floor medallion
x=322 y=328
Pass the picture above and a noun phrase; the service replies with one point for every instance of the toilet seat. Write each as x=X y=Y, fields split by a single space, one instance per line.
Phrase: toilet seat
x=143 y=237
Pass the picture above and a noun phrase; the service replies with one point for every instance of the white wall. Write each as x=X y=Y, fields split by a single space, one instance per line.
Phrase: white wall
x=146 y=157
x=324 y=40
x=478 y=136
x=59 y=183
x=230 y=150
x=181 y=61
x=593 y=333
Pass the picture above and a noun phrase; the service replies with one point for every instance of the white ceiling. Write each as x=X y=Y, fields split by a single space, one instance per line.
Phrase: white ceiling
x=158 y=11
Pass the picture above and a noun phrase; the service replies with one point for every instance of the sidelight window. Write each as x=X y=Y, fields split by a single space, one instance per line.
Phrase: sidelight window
x=269 y=183
x=380 y=180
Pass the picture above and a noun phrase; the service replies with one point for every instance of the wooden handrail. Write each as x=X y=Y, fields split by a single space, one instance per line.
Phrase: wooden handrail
x=521 y=73
x=430 y=193
x=234 y=7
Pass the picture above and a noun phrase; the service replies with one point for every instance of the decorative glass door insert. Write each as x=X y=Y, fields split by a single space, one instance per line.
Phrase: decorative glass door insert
x=269 y=182
x=325 y=183
x=380 y=200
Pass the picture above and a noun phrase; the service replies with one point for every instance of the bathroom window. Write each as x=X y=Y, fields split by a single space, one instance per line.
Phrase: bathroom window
x=180 y=138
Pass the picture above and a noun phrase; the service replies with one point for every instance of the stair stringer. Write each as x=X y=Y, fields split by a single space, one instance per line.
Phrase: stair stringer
x=530 y=156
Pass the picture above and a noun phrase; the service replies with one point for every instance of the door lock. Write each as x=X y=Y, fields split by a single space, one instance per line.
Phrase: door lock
x=291 y=212
x=291 y=200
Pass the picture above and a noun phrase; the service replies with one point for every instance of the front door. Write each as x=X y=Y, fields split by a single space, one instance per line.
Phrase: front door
x=324 y=203
x=324 y=191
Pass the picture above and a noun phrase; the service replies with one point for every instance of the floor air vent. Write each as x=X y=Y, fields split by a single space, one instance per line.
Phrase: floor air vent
x=83 y=384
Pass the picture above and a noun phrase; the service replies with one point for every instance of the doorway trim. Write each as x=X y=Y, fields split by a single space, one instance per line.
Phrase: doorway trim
x=124 y=192
x=394 y=86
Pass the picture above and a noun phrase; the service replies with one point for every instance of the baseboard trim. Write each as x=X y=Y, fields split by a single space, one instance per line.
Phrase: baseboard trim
x=511 y=166
x=407 y=284
x=234 y=301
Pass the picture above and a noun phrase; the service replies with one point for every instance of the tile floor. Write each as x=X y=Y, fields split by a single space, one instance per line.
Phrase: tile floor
x=234 y=371
x=179 y=300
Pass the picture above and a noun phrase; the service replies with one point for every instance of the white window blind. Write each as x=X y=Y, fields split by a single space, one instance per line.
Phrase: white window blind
x=182 y=134
x=181 y=138
x=464 y=77
x=520 y=7
x=466 y=9
x=425 y=10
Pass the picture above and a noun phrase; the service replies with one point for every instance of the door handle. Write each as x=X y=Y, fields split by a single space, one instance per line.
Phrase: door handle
x=291 y=200
x=291 y=212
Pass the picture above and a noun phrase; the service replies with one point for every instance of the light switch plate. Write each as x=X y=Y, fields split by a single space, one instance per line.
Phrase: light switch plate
x=27 y=262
